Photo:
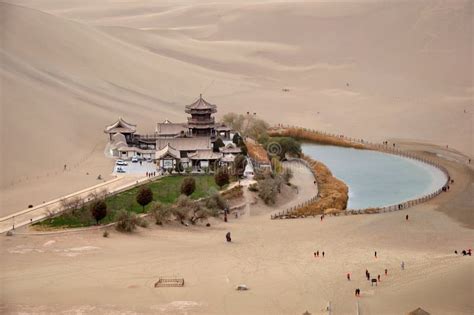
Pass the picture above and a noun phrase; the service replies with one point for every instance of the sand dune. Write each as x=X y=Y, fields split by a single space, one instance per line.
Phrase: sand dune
x=373 y=70
x=401 y=68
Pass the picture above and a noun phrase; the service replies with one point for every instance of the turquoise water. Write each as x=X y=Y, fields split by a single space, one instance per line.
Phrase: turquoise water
x=377 y=179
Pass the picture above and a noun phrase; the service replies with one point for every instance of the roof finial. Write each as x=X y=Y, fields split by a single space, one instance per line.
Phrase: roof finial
x=200 y=95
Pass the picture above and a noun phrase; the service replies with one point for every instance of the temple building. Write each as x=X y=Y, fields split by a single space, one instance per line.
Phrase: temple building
x=177 y=145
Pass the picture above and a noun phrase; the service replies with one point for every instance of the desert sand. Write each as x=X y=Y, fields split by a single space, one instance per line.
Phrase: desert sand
x=370 y=70
x=84 y=272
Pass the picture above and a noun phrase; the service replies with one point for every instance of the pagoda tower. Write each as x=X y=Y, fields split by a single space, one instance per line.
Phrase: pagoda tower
x=202 y=122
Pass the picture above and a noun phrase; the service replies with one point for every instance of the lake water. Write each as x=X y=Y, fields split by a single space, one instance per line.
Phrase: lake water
x=377 y=179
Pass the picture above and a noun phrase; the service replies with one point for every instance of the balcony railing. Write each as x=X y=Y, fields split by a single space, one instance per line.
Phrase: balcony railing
x=195 y=121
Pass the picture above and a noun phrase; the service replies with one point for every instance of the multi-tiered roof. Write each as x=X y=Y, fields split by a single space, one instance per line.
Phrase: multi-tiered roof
x=201 y=121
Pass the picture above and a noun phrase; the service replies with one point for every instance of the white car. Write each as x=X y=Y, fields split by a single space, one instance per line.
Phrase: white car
x=121 y=162
x=135 y=159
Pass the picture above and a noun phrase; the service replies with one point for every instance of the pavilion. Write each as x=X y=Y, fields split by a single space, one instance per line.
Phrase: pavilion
x=188 y=144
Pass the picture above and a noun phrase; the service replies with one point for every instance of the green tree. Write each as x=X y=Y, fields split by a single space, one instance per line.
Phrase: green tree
x=188 y=186
x=218 y=144
x=144 y=196
x=221 y=177
x=98 y=210
x=239 y=164
x=237 y=139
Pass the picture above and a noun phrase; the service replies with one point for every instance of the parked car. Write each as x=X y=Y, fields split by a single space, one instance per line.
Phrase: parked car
x=121 y=162
x=135 y=159
x=120 y=170
x=149 y=160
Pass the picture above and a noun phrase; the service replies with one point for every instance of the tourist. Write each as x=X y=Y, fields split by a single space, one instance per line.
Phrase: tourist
x=403 y=265
x=386 y=271
x=375 y=254
x=378 y=278
x=406 y=217
x=317 y=253
x=225 y=216
x=65 y=166
x=366 y=273
x=469 y=252
x=368 y=276
x=456 y=252
x=323 y=254
x=348 y=276
x=227 y=237
x=146 y=174
x=464 y=253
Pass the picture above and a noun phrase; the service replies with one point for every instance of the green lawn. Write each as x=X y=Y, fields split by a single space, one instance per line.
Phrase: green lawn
x=165 y=190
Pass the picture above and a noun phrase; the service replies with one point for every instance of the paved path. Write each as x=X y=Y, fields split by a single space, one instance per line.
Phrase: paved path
x=39 y=212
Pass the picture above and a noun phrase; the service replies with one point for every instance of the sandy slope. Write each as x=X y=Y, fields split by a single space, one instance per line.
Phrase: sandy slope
x=93 y=275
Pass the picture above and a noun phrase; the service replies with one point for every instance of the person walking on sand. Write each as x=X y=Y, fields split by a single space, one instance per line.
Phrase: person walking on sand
x=386 y=271
x=375 y=254
x=317 y=253
x=323 y=254
x=368 y=276
x=406 y=217
x=378 y=278
x=402 y=265
x=348 y=276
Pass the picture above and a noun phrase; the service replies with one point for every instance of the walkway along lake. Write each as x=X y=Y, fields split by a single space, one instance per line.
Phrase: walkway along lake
x=377 y=179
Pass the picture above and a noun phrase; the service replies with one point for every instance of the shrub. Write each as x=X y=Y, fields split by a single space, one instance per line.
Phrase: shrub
x=188 y=186
x=126 y=221
x=142 y=222
x=160 y=212
x=181 y=214
x=105 y=234
x=216 y=201
x=253 y=187
x=98 y=210
x=144 y=196
x=221 y=177
x=235 y=192
x=268 y=190
x=200 y=213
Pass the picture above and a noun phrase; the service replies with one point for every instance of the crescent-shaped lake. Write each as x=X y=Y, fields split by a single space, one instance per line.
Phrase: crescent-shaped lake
x=377 y=179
